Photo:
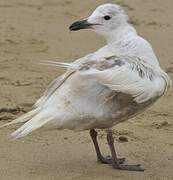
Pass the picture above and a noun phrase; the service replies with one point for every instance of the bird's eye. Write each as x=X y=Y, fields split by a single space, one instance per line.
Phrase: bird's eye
x=107 y=17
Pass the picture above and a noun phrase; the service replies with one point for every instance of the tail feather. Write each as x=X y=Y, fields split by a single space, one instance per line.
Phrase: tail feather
x=23 y=118
x=36 y=122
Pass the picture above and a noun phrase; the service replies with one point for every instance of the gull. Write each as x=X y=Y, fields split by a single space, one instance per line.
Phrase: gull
x=104 y=88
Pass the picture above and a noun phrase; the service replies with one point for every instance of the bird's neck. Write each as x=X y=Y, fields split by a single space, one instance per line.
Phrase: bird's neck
x=124 y=31
x=125 y=41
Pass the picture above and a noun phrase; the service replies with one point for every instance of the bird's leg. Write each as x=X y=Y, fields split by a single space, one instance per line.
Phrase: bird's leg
x=100 y=158
x=115 y=162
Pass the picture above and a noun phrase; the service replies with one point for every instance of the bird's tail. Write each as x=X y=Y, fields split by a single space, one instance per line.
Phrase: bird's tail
x=23 y=118
x=34 y=120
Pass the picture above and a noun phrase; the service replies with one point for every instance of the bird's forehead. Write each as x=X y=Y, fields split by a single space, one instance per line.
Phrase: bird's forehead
x=107 y=9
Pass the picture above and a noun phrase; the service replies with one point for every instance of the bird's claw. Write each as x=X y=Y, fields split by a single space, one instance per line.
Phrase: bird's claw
x=108 y=160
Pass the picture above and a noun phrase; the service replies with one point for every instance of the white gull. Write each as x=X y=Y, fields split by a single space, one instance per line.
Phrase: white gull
x=103 y=88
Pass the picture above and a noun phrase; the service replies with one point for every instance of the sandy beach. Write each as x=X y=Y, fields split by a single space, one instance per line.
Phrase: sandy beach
x=37 y=30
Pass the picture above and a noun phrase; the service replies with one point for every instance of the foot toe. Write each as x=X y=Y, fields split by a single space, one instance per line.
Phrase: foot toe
x=108 y=160
x=137 y=167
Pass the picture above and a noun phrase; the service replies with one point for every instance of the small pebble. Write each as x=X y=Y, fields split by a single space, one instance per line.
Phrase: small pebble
x=123 y=139
x=162 y=124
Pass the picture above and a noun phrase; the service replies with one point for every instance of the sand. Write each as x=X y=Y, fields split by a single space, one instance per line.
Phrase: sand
x=35 y=30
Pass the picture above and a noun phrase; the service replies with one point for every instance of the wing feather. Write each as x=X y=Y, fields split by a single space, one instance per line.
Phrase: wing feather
x=54 y=85
x=130 y=77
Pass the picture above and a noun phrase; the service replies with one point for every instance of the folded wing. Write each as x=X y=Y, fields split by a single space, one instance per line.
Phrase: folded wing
x=129 y=75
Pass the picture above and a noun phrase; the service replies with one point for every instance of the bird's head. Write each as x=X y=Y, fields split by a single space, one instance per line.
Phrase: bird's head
x=105 y=18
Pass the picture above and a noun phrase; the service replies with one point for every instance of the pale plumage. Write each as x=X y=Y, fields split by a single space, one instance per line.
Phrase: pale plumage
x=105 y=87
x=127 y=65
x=80 y=100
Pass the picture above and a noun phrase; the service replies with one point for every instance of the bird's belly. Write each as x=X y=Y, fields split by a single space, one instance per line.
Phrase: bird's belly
x=107 y=118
